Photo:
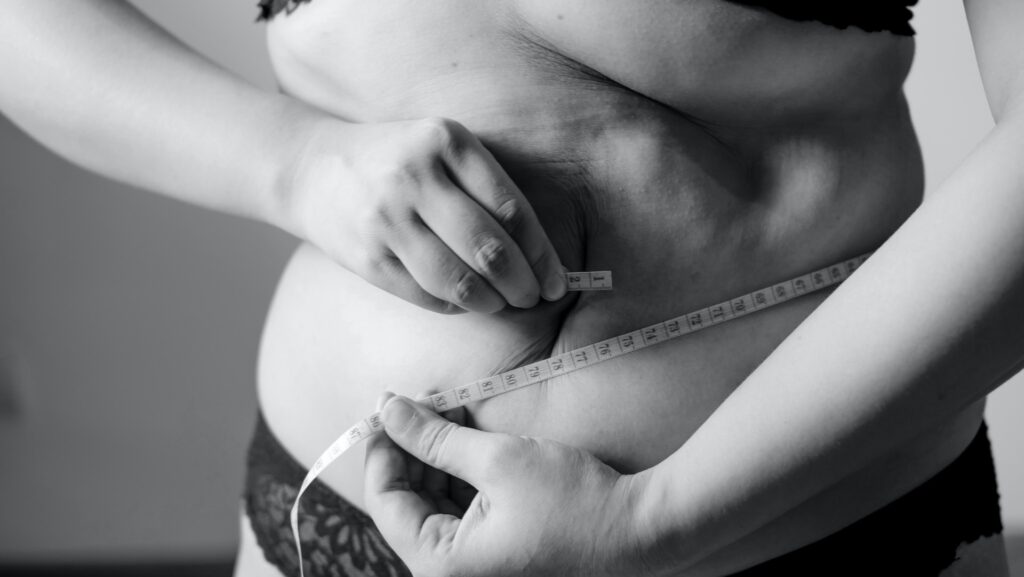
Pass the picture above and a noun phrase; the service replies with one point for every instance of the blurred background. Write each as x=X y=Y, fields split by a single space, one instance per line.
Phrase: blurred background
x=129 y=327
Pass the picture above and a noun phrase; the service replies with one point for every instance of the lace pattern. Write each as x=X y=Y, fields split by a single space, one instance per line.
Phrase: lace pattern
x=338 y=540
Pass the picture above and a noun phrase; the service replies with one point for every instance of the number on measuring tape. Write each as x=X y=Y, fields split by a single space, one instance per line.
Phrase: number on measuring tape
x=718 y=314
x=487 y=388
x=538 y=372
x=608 y=349
x=597 y=280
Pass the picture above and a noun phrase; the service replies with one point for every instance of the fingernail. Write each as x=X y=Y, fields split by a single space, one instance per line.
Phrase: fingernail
x=383 y=399
x=397 y=413
x=555 y=285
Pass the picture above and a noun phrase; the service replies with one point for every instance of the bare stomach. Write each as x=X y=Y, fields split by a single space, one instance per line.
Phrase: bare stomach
x=685 y=214
x=334 y=343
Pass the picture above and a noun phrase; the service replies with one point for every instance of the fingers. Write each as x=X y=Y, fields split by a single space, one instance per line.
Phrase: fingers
x=474 y=169
x=480 y=242
x=441 y=273
x=440 y=485
x=409 y=523
x=422 y=210
x=436 y=482
x=459 y=451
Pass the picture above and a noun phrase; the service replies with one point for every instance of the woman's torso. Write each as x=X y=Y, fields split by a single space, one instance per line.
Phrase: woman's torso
x=699 y=150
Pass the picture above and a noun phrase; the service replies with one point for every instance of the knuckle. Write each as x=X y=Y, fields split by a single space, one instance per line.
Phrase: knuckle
x=493 y=257
x=443 y=134
x=390 y=199
x=465 y=288
x=397 y=176
x=437 y=129
x=372 y=263
x=511 y=213
x=433 y=443
x=383 y=218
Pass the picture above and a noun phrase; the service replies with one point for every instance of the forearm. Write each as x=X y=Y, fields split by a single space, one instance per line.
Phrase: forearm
x=103 y=86
x=928 y=326
x=887 y=478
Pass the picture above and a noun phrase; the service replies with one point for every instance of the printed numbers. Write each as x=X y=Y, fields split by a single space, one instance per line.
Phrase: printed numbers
x=800 y=285
x=537 y=372
x=576 y=282
x=739 y=306
x=780 y=292
x=607 y=349
x=651 y=335
x=836 y=273
x=580 y=357
x=760 y=299
x=487 y=388
x=557 y=365
x=375 y=421
x=354 y=436
x=819 y=279
x=717 y=313
x=511 y=380
x=601 y=280
x=626 y=341
x=673 y=327
x=440 y=403
x=463 y=395
x=695 y=321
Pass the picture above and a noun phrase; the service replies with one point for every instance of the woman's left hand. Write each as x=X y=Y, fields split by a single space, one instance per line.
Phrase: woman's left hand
x=541 y=508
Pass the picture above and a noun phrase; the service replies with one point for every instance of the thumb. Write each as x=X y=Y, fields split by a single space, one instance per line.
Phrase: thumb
x=435 y=440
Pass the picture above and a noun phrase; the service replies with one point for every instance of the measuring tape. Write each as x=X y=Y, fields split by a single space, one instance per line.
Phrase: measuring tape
x=589 y=355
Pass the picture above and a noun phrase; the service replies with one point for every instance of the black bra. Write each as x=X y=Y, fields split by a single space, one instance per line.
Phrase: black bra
x=870 y=15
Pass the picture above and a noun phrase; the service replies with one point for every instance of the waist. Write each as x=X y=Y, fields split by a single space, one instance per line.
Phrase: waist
x=632 y=411
x=333 y=343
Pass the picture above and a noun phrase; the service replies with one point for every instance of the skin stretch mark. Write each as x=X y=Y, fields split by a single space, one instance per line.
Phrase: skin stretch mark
x=586 y=356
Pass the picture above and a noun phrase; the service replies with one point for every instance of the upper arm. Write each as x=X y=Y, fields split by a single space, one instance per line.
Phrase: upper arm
x=997 y=29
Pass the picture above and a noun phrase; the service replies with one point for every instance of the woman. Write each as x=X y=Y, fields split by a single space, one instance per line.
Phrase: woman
x=699 y=150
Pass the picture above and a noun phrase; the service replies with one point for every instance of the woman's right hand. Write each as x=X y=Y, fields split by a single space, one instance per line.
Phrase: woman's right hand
x=422 y=210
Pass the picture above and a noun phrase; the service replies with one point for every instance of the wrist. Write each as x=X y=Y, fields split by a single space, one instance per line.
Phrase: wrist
x=291 y=143
x=657 y=533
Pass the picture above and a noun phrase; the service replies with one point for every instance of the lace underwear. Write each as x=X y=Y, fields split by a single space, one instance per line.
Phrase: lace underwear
x=338 y=540
x=916 y=535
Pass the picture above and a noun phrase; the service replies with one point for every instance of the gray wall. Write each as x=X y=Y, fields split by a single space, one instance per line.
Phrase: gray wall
x=130 y=323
